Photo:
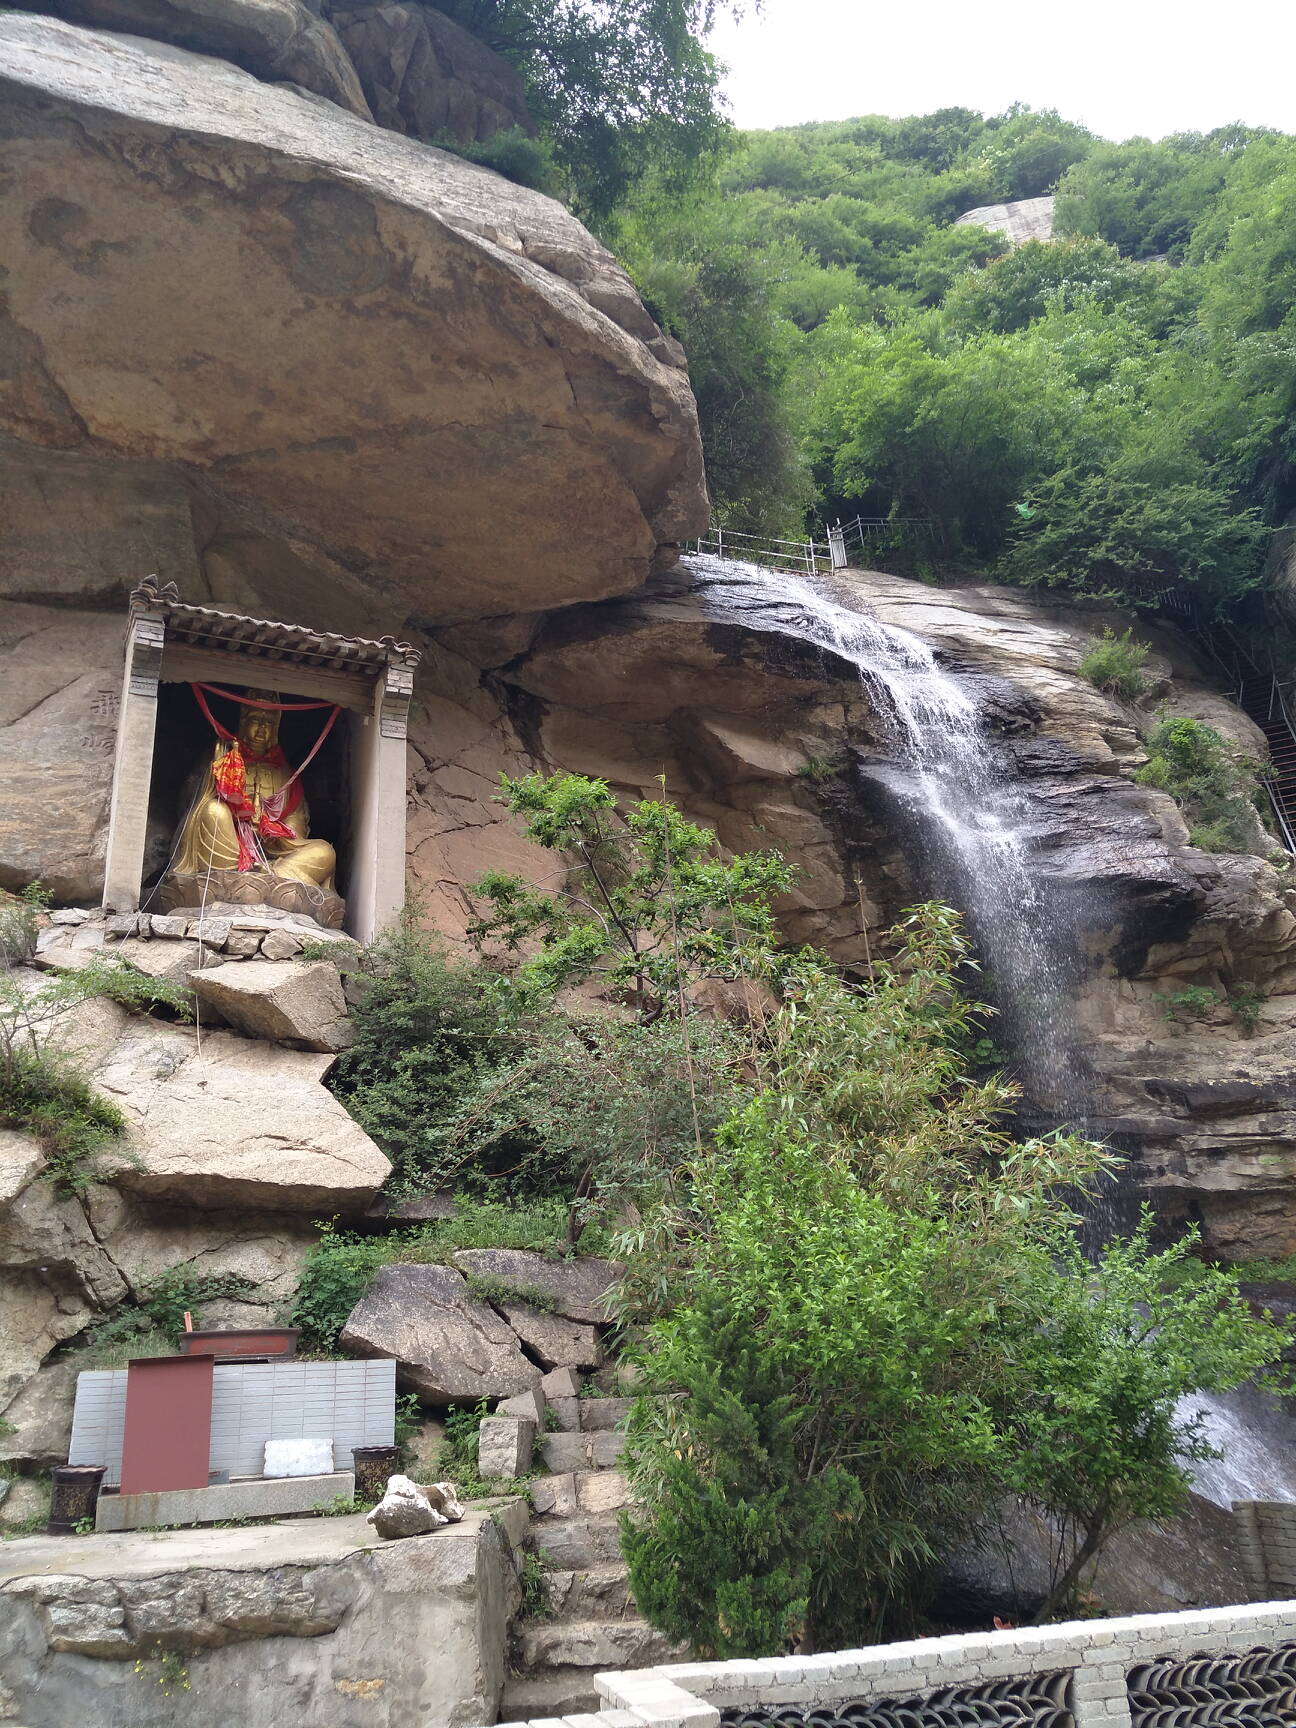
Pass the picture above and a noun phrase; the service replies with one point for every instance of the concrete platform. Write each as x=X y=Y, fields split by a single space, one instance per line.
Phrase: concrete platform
x=249 y=1497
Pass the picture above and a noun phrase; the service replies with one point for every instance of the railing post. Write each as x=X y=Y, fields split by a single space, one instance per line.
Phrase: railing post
x=837 y=547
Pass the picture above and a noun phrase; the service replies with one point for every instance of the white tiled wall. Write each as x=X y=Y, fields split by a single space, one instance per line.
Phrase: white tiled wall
x=354 y=1403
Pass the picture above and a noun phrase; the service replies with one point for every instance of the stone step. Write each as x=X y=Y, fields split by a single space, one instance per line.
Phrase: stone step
x=556 y=1692
x=576 y=1491
x=598 y=1593
x=577 y=1544
x=567 y=1452
x=603 y=1413
x=594 y=1644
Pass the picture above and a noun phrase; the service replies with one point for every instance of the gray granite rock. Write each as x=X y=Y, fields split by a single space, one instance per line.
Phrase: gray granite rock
x=448 y=1347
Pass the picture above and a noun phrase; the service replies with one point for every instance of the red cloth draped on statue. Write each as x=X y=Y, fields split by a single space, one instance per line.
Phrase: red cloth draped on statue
x=252 y=824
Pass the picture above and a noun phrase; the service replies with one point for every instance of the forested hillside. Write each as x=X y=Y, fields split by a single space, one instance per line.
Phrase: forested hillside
x=1109 y=412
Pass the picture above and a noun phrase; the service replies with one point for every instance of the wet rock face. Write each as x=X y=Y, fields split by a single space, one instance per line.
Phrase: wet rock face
x=382 y=382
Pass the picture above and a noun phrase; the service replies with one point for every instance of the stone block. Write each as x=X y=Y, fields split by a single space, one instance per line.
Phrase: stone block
x=555 y=1496
x=169 y=924
x=576 y=1289
x=211 y=932
x=69 y=915
x=255 y=1497
x=531 y=1404
x=504 y=1446
x=561 y=1383
x=566 y=1414
x=601 y=1491
x=603 y=1413
x=280 y=945
x=289 y=1002
x=448 y=1346
x=553 y=1341
x=243 y=944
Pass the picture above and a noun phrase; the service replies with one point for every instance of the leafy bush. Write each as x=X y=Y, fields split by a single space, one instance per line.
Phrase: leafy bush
x=1219 y=796
x=1193 y=1002
x=873 y=1304
x=1115 y=664
x=515 y=154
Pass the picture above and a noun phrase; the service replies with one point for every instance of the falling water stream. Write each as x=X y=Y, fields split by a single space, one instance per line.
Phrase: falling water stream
x=976 y=823
x=971 y=817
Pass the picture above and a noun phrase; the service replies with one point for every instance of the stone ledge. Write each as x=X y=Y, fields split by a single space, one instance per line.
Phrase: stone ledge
x=251 y=1497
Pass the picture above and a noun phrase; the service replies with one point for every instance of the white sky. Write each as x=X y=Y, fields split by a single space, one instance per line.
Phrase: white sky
x=1120 y=67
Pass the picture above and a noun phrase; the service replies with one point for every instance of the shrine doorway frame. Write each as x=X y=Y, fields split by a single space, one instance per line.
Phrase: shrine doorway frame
x=169 y=642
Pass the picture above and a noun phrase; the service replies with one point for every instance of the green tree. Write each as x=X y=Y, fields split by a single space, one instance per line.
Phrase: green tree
x=649 y=906
x=879 y=1323
x=621 y=87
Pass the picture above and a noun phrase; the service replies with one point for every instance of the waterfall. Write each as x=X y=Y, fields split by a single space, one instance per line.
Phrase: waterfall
x=962 y=802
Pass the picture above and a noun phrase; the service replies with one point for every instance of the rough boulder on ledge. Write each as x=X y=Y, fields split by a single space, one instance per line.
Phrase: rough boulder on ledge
x=340 y=362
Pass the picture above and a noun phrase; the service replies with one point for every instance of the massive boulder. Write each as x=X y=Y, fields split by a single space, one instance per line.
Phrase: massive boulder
x=274 y=39
x=382 y=383
x=1025 y=219
x=299 y=1003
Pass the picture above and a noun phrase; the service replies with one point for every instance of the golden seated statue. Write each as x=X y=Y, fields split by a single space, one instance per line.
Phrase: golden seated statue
x=248 y=829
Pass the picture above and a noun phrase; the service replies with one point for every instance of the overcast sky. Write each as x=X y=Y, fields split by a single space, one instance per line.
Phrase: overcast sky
x=1119 y=66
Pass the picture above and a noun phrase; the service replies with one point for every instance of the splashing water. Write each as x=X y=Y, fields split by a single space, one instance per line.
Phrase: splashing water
x=1254 y=1432
x=975 y=822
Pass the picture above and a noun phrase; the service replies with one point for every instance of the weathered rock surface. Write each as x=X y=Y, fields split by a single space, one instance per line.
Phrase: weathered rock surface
x=551 y=1340
x=60 y=679
x=299 y=1003
x=405 y=1510
x=307 y=1620
x=1026 y=219
x=234 y=1123
x=274 y=39
x=39 y=1419
x=575 y=1289
x=243 y=322
x=448 y=1347
x=425 y=75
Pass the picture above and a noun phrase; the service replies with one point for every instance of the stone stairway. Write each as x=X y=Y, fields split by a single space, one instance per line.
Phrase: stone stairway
x=590 y=1622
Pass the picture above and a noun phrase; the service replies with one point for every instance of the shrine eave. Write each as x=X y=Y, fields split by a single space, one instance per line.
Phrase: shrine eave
x=263 y=638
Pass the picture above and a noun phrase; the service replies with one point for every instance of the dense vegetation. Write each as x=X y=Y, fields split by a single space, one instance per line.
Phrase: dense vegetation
x=1110 y=412
x=870 y=1293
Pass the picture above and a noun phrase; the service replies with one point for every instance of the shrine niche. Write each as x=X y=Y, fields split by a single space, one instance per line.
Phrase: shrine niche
x=258 y=763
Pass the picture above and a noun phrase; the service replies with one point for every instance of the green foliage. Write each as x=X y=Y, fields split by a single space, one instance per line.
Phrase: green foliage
x=872 y=1302
x=534 y=1580
x=1194 y=1002
x=1115 y=664
x=472 y=1079
x=651 y=908
x=515 y=154
x=1246 y=1006
x=43 y=1095
x=166 y=1667
x=20 y=921
x=618 y=86
x=1218 y=795
x=1099 y=1439
x=457 y=1459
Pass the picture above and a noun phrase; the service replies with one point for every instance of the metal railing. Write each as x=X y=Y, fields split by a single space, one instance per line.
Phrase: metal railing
x=814 y=557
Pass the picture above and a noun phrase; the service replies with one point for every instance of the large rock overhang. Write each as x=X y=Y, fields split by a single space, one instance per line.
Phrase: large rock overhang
x=432 y=378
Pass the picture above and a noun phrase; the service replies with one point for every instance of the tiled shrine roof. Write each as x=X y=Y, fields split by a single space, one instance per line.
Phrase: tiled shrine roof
x=292 y=644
